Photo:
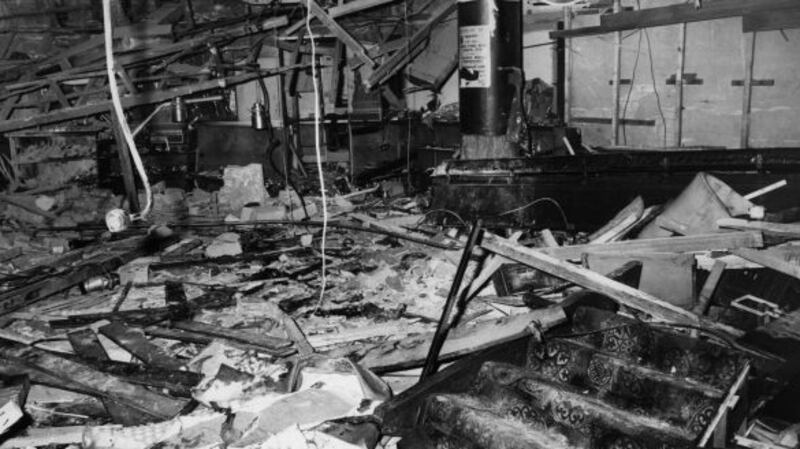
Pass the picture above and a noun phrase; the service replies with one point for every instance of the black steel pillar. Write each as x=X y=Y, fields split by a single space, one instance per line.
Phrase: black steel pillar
x=490 y=59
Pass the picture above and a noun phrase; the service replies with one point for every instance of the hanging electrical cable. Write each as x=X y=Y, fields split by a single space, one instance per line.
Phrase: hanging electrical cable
x=116 y=219
x=318 y=151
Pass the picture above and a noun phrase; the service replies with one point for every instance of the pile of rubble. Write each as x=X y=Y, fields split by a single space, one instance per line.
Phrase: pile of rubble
x=235 y=327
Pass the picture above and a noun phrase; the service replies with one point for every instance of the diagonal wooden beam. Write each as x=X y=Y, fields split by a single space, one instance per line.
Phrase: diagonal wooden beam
x=342 y=34
x=59 y=94
x=623 y=294
x=402 y=57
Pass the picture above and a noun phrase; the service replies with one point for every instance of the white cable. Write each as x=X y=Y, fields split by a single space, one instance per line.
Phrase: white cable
x=126 y=131
x=319 y=153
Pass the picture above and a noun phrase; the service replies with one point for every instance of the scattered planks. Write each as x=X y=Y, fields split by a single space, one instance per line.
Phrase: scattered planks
x=411 y=352
x=130 y=101
x=347 y=39
x=42 y=287
x=618 y=291
x=686 y=244
x=53 y=370
x=400 y=58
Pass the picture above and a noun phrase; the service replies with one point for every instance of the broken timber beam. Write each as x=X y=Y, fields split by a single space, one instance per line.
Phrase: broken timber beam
x=403 y=56
x=53 y=370
x=770 y=259
x=130 y=101
x=347 y=39
x=136 y=343
x=784 y=230
x=267 y=342
x=685 y=244
x=591 y=280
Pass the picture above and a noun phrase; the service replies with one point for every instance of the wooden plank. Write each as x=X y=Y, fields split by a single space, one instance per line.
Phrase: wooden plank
x=403 y=56
x=347 y=39
x=490 y=266
x=59 y=372
x=8 y=107
x=771 y=259
x=463 y=340
x=770 y=20
x=709 y=287
x=355 y=6
x=265 y=341
x=59 y=94
x=618 y=291
x=134 y=341
x=674 y=14
x=685 y=244
x=126 y=80
x=86 y=344
x=786 y=230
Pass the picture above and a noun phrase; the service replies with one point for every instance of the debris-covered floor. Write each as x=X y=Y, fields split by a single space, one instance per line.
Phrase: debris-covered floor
x=222 y=328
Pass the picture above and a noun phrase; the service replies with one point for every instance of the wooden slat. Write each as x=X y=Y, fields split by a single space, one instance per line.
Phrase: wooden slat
x=694 y=243
x=786 y=230
x=258 y=339
x=490 y=266
x=136 y=343
x=590 y=280
x=403 y=56
x=347 y=39
x=59 y=94
x=709 y=287
x=86 y=344
x=769 y=259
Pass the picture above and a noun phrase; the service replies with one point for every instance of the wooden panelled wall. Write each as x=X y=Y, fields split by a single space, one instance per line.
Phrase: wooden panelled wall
x=740 y=87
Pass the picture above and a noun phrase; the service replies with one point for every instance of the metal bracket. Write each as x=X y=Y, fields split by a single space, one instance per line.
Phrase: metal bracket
x=757 y=306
